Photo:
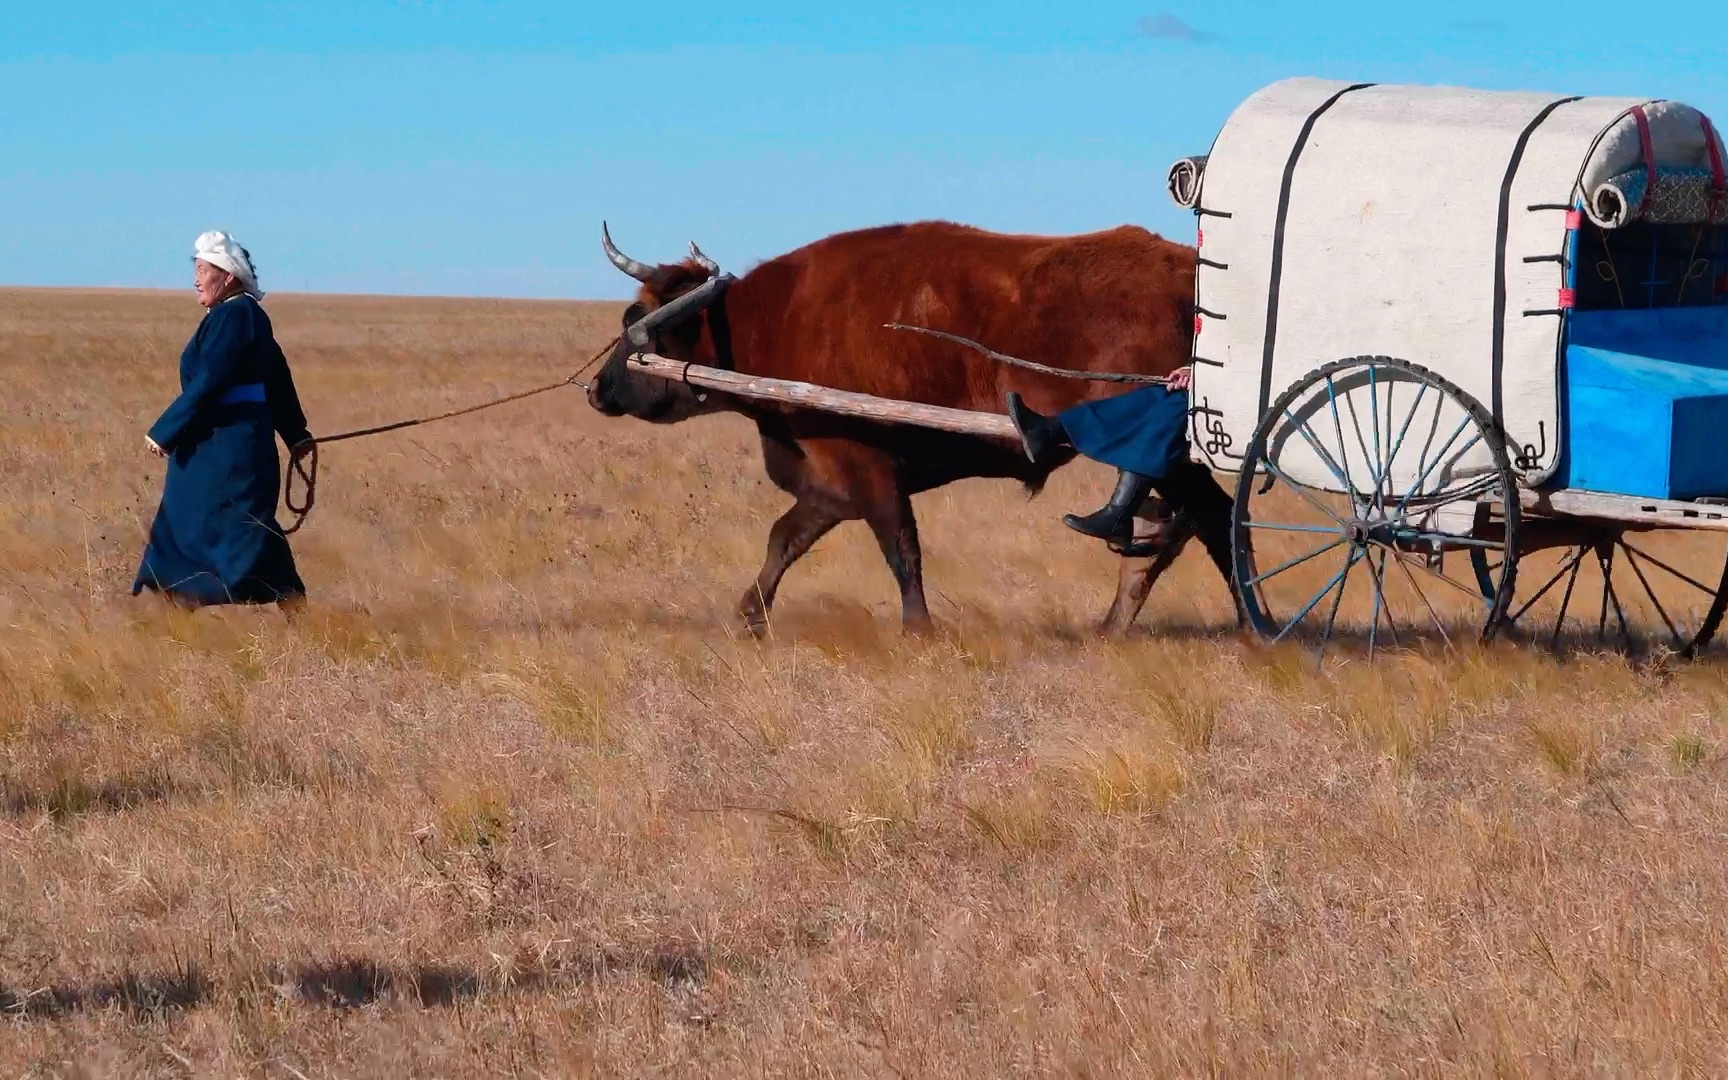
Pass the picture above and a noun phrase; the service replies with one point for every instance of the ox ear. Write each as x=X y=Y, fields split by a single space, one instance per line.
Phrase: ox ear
x=634 y=313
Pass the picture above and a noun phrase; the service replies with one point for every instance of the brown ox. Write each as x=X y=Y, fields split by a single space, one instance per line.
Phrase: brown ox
x=1119 y=300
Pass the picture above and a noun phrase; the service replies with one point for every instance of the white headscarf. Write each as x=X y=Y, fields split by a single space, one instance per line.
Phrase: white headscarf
x=225 y=253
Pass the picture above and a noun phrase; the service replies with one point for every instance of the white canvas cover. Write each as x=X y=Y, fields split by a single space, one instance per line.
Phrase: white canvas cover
x=1423 y=223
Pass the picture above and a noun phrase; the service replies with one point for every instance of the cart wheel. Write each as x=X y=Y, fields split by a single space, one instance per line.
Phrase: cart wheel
x=1597 y=583
x=1358 y=481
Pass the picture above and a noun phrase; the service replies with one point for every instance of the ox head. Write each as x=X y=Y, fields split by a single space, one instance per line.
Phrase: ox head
x=672 y=316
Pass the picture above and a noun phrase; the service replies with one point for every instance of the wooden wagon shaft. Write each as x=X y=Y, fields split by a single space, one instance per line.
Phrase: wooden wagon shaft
x=844 y=402
x=1568 y=518
x=1655 y=513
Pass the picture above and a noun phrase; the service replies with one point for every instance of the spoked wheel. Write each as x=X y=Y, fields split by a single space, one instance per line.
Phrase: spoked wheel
x=1358 y=481
x=1600 y=584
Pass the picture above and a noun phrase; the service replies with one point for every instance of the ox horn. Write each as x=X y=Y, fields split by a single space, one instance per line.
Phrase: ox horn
x=640 y=271
x=702 y=260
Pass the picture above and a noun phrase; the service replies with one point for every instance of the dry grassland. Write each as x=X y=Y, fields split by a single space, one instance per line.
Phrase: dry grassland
x=516 y=798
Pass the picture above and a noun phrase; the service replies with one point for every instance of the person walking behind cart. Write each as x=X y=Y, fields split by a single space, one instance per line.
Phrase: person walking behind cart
x=1143 y=433
x=215 y=539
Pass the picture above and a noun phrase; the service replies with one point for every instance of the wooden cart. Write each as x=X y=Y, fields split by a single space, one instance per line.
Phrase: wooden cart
x=1466 y=353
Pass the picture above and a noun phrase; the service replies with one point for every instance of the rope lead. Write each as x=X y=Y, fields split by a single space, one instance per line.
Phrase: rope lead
x=303 y=457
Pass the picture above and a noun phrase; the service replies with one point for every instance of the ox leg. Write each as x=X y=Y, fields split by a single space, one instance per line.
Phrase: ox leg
x=1153 y=523
x=896 y=532
x=1193 y=493
x=792 y=535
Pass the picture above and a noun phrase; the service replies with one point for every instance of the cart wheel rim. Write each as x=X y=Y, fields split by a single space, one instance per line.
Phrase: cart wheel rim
x=1621 y=589
x=1393 y=469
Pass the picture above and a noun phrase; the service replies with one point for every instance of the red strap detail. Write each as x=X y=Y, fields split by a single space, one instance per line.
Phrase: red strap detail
x=1712 y=144
x=1574 y=220
x=1199 y=238
x=1196 y=326
x=1649 y=152
x=1718 y=183
x=1568 y=299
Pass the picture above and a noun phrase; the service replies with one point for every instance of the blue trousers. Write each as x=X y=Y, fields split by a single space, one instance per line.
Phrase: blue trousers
x=1144 y=431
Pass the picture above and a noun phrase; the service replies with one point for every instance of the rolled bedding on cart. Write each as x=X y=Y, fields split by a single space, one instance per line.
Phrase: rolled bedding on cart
x=1676 y=197
x=1660 y=163
x=1184 y=181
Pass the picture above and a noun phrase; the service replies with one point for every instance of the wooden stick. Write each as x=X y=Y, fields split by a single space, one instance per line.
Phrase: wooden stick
x=844 y=402
x=1033 y=365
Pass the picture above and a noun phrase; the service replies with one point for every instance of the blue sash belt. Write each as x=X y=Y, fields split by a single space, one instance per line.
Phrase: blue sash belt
x=246 y=393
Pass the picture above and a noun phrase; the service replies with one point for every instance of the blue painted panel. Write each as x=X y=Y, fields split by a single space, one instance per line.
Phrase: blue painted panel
x=1646 y=408
x=1700 y=433
x=1619 y=441
x=1642 y=373
x=1693 y=335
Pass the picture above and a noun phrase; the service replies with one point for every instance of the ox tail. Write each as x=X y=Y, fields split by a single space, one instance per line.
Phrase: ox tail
x=1034 y=478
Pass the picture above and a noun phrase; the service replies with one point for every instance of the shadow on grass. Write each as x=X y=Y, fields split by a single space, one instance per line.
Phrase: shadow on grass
x=71 y=796
x=143 y=996
x=352 y=983
x=349 y=983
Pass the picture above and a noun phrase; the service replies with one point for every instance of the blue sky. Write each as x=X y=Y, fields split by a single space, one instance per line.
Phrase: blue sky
x=474 y=148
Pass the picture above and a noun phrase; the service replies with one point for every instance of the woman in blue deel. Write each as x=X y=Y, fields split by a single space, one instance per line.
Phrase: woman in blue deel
x=215 y=539
x=1143 y=433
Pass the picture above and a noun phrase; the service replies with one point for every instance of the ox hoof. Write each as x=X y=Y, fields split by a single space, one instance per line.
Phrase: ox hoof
x=753 y=618
x=1113 y=629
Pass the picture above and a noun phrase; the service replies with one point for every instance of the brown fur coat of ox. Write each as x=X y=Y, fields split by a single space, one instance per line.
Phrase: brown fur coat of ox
x=1117 y=300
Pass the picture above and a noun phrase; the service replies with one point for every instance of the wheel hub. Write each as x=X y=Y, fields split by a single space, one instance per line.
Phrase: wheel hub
x=1361 y=532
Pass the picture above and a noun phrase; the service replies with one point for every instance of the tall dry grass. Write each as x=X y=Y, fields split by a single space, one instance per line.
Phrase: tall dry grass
x=515 y=796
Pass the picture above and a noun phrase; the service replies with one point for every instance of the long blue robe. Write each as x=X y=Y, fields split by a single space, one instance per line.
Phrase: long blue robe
x=215 y=539
x=1144 y=431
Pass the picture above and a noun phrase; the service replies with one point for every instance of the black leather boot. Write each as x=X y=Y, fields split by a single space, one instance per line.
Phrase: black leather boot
x=1115 y=519
x=1042 y=436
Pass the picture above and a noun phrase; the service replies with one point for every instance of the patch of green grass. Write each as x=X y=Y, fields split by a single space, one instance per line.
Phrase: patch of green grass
x=1688 y=750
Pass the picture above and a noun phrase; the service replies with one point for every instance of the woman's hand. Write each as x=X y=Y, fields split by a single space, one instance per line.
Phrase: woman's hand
x=150 y=444
x=300 y=451
x=1181 y=378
